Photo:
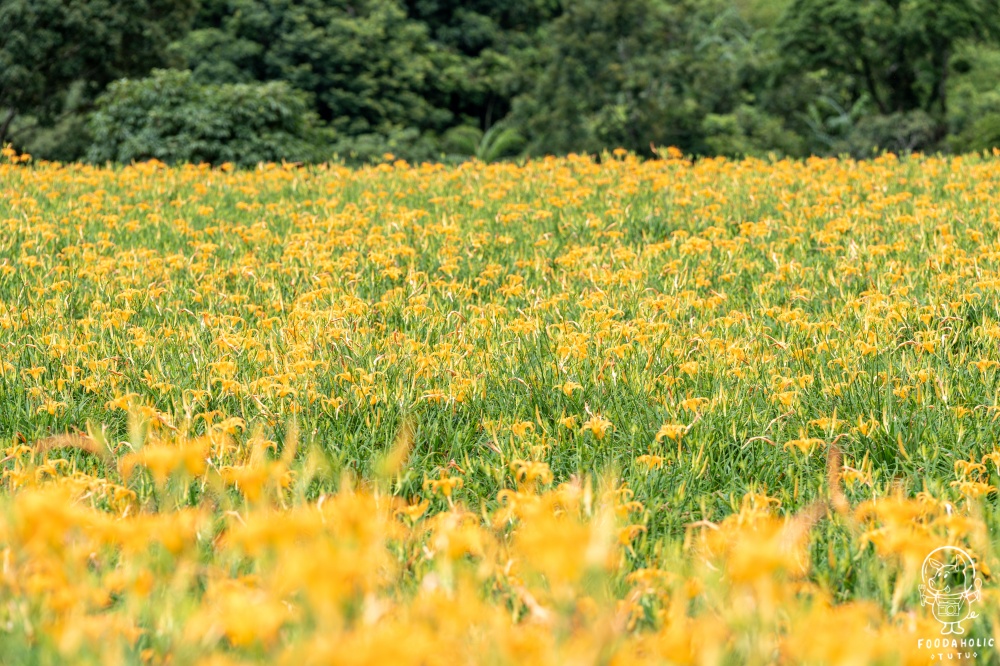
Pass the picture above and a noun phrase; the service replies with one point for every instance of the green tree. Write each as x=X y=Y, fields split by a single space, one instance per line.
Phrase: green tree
x=892 y=55
x=492 y=44
x=473 y=26
x=389 y=75
x=172 y=118
x=632 y=73
x=974 y=99
x=369 y=68
x=59 y=54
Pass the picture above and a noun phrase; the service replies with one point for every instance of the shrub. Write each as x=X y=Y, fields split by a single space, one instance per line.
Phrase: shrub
x=900 y=133
x=982 y=134
x=170 y=117
x=749 y=131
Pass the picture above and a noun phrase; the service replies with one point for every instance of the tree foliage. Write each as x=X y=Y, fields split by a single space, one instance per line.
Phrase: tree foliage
x=441 y=79
x=895 y=55
x=632 y=73
x=369 y=67
x=170 y=117
x=51 y=50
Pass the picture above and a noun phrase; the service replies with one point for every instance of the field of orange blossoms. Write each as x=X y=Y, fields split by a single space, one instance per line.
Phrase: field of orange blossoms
x=575 y=411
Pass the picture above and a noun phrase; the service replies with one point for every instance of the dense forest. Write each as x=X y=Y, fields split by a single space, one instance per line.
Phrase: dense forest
x=242 y=81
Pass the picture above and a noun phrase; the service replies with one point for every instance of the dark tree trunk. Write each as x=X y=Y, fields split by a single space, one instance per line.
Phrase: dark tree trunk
x=943 y=83
x=872 y=88
x=5 y=127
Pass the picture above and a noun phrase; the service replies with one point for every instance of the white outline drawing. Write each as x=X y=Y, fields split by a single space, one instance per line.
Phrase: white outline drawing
x=950 y=587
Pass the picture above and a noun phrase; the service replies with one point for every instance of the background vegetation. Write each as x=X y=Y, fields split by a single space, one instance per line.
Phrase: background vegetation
x=307 y=80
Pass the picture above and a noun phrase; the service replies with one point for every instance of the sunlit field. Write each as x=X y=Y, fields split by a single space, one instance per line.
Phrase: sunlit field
x=574 y=411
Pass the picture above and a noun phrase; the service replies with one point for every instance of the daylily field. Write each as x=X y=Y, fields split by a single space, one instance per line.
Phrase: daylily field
x=574 y=411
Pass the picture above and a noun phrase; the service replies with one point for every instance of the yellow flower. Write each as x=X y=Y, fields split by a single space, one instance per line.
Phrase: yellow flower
x=805 y=444
x=597 y=425
x=692 y=404
x=967 y=468
x=444 y=484
x=415 y=511
x=629 y=533
x=164 y=459
x=689 y=368
x=671 y=431
x=568 y=422
x=827 y=423
x=983 y=365
x=650 y=461
x=122 y=402
x=973 y=488
x=785 y=398
x=530 y=473
x=52 y=407
x=522 y=428
x=569 y=387
x=850 y=476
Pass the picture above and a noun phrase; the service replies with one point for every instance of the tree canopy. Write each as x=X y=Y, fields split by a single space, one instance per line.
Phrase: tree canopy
x=894 y=54
x=56 y=53
x=442 y=79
